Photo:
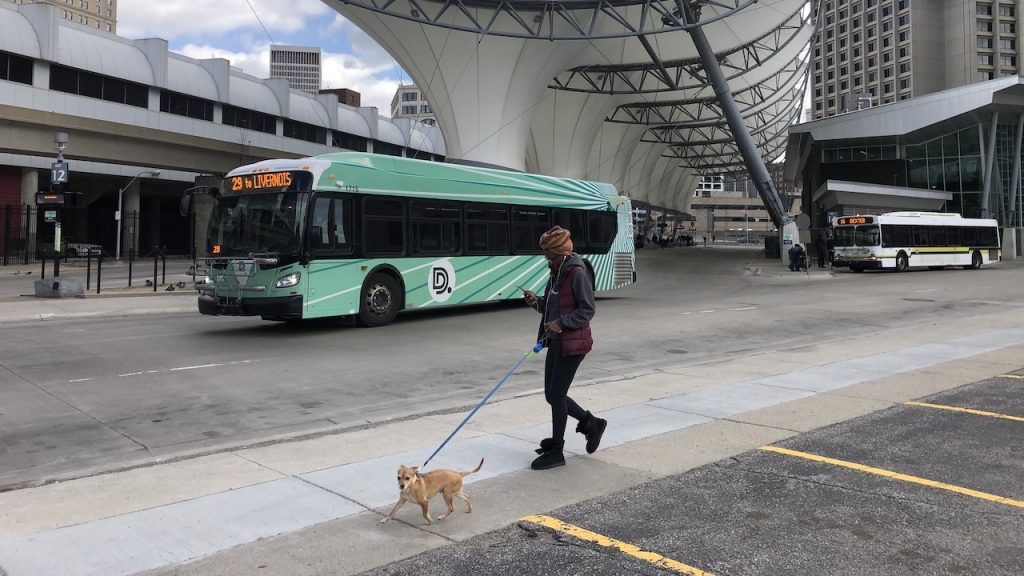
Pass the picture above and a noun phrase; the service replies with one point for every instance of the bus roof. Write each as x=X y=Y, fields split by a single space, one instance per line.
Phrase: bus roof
x=393 y=175
x=923 y=218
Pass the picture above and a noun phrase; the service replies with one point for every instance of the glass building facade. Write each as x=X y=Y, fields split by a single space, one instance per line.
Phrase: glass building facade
x=952 y=163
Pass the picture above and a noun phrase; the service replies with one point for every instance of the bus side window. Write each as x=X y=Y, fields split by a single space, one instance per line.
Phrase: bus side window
x=970 y=236
x=987 y=237
x=888 y=235
x=937 y=235
x=602 y=227
x=920 y=236
x=575 y=221
x=341 y=224
x=953 y=235
x=318 y=232
x=383 y=226
x=486 y=230
x=902 y=234
x=527 y=225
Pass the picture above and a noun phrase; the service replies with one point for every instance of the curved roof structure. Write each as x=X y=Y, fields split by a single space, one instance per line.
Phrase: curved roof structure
x=614 y=92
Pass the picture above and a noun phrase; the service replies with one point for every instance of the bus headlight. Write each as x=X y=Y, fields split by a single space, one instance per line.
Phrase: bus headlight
x=288 y=281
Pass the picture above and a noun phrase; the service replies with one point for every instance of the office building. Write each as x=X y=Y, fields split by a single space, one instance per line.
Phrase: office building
x=98 y=14
x=872 y=52
x=300 y=65
x=729 y=206
x=410 y=102
x=345 y=96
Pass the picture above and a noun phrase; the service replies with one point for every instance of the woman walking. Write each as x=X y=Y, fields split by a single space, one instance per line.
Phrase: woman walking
x=566 y=309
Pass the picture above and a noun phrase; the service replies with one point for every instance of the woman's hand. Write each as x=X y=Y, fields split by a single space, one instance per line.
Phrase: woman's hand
x=553 y=327
x=530 y=297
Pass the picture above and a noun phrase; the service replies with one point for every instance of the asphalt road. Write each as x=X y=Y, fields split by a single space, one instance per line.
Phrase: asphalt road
x=81 y=396
x=769 y=513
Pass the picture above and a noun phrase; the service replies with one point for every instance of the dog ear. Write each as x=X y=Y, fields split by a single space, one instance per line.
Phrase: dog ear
x=415 y=469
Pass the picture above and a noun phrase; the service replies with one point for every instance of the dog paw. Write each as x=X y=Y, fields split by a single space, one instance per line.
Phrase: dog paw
x=384 y=520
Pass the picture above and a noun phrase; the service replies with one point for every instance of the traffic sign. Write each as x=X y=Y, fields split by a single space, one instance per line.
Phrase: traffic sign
x=59 y=172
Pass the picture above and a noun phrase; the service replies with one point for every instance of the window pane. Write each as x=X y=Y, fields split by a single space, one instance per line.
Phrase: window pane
x=934 y=148
x=914 y=152
x=319 y=233
x=602 y=228
x=970 y=174
x=935 y=180
x=20 y=69
x=342 y=223
x=384 y=237
x=969 y=144
x=90 y=85
x=63 y=79
x=575 y=221
x=918 y=174
x=949 y=145
x=376 y=206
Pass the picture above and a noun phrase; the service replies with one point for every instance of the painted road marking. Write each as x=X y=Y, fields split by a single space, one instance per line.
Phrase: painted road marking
x=168 y=370
x=634 y=551
x=744 y=308
x=1017 y=376
x=967 y=410
x=896 y=476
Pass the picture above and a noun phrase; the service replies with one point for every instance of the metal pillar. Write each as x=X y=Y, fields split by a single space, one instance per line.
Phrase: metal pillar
x=1015 y=180
x=751 y=157
x=989 y=163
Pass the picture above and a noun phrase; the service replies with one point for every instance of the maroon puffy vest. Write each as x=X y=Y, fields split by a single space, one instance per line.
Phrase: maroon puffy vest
x=575 y=341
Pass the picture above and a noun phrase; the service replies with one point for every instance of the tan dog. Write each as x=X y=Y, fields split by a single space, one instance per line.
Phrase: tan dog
x=420 y=489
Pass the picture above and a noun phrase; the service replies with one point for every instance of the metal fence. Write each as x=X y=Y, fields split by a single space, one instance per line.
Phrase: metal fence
x=16 y=245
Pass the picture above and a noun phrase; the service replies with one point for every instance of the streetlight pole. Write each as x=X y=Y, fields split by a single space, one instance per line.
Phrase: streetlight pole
x=117 y=216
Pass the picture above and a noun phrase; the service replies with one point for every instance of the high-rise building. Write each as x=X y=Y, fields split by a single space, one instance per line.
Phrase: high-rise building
x=98 y=14
x=871 y=52
x=300 y=65
x=410 y=103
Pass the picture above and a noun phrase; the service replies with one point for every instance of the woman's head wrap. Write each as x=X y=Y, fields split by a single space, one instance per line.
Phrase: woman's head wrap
x=557 y=240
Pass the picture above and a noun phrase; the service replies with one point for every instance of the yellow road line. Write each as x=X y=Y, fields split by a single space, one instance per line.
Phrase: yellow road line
x=1017 y=376
x=634 y=551
x=896 y=476
x=967 y=410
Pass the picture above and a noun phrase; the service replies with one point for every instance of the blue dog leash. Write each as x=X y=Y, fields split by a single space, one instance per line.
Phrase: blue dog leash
x=536 y=348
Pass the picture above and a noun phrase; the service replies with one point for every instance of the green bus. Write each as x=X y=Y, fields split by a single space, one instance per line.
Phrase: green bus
x=367 y=235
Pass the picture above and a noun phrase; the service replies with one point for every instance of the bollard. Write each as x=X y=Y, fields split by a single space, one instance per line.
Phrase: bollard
x=156 y=262
x=163 y=265
x=56 y=265
x=88 y=267
x=99 y=272
x=131 y=258
x=42 y=258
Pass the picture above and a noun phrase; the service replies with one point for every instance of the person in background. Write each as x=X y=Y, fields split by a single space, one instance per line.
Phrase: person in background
x=566 y=308
x=821 y=249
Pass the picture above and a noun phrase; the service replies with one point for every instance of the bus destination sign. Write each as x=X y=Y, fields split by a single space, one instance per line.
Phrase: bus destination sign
x=847 y=220
x=265 y=182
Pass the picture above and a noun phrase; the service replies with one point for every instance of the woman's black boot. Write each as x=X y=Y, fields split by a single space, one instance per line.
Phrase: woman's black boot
x=550 y=459
x=593 y=428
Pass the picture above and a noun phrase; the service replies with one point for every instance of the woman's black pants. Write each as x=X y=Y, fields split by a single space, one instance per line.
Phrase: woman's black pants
x=558 y=374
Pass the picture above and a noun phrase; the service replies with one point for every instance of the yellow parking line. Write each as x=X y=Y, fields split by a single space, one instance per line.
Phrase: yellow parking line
x=967 y=410
x=896 y=476
x=584 y=534
x=1016 y=376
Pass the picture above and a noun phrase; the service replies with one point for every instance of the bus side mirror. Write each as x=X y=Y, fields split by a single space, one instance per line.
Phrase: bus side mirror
x=185 y=205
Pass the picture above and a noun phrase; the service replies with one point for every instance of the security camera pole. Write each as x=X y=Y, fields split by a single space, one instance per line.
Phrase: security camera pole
x=117 y=215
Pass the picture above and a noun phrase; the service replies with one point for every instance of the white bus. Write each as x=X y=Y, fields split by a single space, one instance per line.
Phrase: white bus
x=901 y=240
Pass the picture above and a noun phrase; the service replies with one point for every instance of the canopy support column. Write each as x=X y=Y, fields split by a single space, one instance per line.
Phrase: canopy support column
x=751 y=157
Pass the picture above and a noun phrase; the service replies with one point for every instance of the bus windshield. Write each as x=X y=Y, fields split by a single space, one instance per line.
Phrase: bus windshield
x=257 y=224
x=856 y=236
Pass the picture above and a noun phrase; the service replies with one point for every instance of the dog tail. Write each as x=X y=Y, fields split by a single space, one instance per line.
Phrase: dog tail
x=477 y=469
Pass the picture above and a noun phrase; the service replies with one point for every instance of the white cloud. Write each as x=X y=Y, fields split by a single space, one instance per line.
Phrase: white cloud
x=189 y=18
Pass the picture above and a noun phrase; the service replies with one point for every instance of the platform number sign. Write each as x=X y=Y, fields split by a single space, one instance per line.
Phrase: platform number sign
x=59 y=173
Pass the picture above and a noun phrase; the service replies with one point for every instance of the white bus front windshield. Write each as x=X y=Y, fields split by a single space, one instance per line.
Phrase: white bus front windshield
x=258 y=224
x=855 y=236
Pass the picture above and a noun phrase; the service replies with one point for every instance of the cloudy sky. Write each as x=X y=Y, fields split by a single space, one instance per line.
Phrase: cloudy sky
x=230 y=29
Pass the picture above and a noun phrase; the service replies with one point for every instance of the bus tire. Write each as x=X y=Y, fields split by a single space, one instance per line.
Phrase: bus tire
x=380 y=300
x=976 y=261
x=902 y=262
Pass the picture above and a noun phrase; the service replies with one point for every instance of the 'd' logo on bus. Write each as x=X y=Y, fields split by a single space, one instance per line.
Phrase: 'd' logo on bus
x=441 y=281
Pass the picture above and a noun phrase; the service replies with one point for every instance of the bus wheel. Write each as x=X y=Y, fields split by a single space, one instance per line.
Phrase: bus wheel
x=379 y=303
x=976 y=261
x=901 y=262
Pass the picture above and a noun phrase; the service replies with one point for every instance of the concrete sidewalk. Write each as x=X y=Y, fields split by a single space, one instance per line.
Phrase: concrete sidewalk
x=311 y=506
x=116 y=298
